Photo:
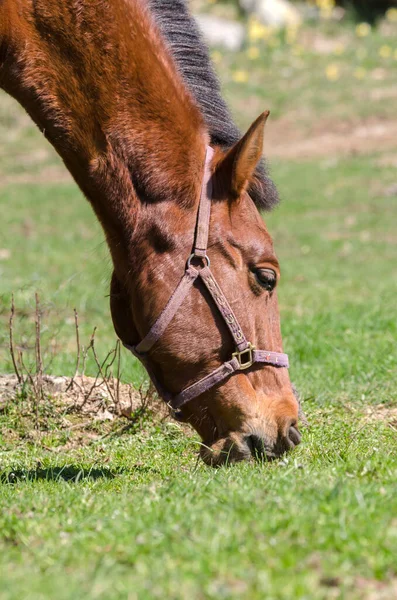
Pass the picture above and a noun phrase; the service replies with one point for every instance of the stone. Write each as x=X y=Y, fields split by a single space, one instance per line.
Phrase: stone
x=221 y=32
x=274 y=13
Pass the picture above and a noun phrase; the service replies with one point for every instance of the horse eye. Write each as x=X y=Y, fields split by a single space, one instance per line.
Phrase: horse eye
x=266 y=278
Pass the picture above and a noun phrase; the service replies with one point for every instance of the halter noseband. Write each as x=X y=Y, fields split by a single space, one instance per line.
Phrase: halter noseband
x=246 y=354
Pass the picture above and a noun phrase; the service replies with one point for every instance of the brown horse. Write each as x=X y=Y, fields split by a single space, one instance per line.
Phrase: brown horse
x=100 y=79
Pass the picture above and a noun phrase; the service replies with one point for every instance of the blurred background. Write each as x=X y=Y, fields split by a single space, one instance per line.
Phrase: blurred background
x=328 y=72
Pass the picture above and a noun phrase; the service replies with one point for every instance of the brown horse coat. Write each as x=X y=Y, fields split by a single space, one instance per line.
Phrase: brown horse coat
x=98 y=79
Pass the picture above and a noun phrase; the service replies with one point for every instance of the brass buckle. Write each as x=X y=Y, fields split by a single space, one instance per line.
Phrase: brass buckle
x=245 y=357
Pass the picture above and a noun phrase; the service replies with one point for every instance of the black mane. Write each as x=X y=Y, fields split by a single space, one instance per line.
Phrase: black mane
x=193 y=61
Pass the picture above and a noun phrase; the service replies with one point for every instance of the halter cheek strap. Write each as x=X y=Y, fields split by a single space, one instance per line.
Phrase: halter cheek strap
x=246 y=354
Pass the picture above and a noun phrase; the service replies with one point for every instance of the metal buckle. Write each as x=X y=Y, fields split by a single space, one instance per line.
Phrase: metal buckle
x=245 y=357
x=175 y=413
x=203 y=258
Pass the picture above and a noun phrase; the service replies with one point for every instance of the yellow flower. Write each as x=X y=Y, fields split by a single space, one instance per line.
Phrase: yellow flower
x=385 y=51
x=332 y=72
x=363 y=29
x=325 y=4
x=253 y=53
x=216 y=57
x=326 y=7
x=360 y=73
x=391 y=15
x=240 y=76
x=256 y=30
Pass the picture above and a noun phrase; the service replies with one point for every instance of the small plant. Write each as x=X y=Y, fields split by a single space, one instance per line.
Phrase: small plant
x=50 y=402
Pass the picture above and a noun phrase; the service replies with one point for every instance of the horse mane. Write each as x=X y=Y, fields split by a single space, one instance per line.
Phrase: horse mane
x=192 y=59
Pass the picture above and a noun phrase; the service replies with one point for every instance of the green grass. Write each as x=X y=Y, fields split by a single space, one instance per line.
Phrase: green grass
x=133 y=517
x=132 y=514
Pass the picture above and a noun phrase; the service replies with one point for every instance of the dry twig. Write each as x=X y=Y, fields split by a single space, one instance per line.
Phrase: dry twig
x=28 y=373
x=76 y=325
x=100 y=367
x=118 y=376
x=39 y=361
x=11 y=331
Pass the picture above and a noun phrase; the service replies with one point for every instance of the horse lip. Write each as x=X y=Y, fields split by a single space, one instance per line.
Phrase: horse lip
x=259 y=449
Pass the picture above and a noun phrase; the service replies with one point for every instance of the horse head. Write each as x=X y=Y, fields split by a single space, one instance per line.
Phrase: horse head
x=187 y=329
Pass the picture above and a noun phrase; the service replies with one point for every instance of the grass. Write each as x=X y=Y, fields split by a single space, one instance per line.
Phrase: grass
x=131 y=514
x=134 y=518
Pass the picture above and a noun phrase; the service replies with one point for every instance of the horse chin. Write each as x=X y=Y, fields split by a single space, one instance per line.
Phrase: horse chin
x=226 y=451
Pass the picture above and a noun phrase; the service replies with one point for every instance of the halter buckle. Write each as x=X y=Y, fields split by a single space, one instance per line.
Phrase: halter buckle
x=245 y=357
x=204 y=259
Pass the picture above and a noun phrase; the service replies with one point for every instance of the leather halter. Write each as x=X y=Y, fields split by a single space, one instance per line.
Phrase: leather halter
x=246 y=354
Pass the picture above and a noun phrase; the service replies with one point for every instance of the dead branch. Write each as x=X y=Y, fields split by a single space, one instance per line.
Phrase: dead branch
x=118 y=376
x=76 y=372
x=108 y=374
x=39 y=361
x=87 y=395
x=86 y=350
x=76 y=323
x=28 y=373
x=85 y=354
x=110 y=365
x=146 y=397
x=11 y=332
x=100 y=367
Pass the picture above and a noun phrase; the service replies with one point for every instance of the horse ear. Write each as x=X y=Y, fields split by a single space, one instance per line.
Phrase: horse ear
x=239 y=164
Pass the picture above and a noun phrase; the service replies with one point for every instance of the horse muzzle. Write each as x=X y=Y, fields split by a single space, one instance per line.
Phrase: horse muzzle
x=238 y=447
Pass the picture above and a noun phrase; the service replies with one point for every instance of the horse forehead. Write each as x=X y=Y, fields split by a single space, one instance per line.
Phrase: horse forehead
x=243 y=224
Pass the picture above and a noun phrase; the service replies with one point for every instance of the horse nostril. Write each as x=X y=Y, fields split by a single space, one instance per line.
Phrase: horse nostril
x=294 y=435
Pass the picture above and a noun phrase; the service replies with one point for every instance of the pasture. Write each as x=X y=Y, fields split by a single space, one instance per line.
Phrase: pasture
x=128 y=512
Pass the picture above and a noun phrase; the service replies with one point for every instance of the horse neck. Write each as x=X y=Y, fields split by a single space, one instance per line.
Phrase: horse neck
x=98 y=80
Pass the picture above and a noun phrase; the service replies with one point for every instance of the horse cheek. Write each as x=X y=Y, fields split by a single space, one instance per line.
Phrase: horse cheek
x=121 y=312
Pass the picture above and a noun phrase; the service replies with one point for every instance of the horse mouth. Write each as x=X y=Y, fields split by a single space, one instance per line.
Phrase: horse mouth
x=259 y=450
x=237 y=448
x=262 y=451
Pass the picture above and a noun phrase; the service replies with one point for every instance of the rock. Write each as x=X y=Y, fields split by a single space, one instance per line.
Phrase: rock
x=221 y=32
x=275 y=13
x=104 y=415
